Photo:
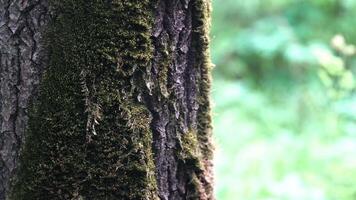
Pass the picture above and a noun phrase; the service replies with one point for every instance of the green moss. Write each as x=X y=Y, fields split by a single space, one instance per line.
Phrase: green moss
x=96 y=50
x=203 y=182
x=190 y=152
x=201 y=42
x=89 y=136
x=164 y=65
x=191 y=157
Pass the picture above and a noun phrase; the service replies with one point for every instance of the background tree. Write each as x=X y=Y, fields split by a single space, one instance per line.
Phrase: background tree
x=112 y=98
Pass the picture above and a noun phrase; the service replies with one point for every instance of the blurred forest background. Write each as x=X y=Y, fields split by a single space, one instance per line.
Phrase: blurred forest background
x=285 y=100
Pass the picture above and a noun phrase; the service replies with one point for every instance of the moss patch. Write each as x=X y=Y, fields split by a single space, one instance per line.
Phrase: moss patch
x=190 y=152
x=88 y=135
x=201 y=24
x=201 y=43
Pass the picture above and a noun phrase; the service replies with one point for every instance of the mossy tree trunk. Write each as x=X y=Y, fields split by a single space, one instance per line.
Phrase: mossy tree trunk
x=105 y=99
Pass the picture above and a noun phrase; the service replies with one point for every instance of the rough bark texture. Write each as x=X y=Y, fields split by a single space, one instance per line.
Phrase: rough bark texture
x=123 y=107
x=179 y=100
x=21 y=64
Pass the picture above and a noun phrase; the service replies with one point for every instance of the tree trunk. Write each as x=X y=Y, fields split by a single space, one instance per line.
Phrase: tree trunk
x=105 y=100
x=20 y=70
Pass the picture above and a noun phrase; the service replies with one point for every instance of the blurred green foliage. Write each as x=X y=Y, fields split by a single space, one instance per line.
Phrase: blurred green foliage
x=285 y=101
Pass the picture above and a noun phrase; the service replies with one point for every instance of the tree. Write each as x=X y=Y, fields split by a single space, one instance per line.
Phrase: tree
x=105 y=99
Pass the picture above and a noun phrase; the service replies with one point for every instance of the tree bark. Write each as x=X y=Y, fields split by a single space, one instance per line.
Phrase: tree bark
x=105 y=100
x=21 y=65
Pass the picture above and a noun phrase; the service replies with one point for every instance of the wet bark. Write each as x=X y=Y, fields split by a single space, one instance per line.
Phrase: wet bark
x=152 y=98
x=21 y=64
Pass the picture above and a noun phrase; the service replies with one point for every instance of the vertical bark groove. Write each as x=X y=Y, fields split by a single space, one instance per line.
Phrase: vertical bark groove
x=21 y=63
